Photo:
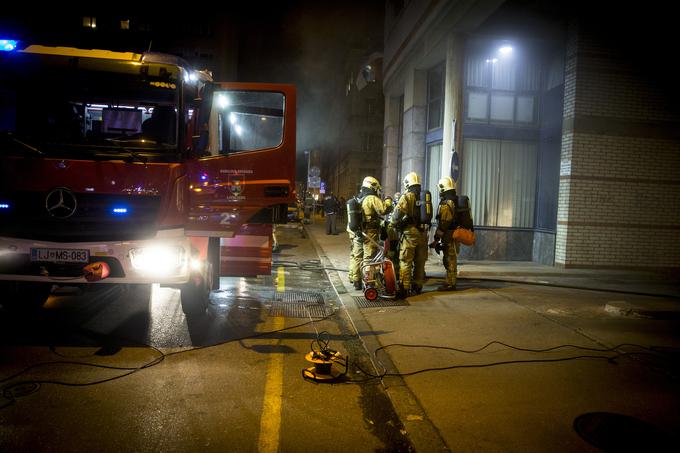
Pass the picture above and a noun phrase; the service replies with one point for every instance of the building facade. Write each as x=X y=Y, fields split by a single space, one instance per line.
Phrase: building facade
x=564 y=141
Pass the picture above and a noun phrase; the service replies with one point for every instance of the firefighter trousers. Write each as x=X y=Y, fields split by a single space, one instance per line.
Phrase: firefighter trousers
x=450 y=259
x=412 y=257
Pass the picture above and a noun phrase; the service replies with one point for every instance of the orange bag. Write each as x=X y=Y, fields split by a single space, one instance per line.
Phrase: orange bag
x=464 y=236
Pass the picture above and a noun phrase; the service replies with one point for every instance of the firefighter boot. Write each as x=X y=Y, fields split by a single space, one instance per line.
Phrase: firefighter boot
x=447 y=287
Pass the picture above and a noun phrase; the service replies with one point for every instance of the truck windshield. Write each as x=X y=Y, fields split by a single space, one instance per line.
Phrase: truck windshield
x=67 y=107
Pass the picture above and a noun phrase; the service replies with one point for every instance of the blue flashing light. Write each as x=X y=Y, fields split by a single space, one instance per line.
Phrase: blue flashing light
x=120 y=211
x=8 y=45
x=204 y=177
x=4 y=205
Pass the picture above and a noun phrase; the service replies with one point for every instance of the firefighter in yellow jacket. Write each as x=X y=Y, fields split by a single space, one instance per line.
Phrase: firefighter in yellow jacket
x=413 y=238
x=371 y=212
x=443 y=237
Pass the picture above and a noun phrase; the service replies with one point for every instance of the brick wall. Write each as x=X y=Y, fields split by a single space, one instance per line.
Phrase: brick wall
x=619 y=196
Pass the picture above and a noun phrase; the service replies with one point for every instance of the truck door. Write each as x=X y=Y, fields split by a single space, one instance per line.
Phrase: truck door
x=245 y=178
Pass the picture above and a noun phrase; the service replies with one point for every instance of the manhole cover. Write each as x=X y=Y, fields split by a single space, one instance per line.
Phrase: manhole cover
x=299 y=305
x=362 y=302
x=621 y=433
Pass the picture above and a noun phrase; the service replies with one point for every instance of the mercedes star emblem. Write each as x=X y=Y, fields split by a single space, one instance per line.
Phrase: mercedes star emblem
x=61 y=203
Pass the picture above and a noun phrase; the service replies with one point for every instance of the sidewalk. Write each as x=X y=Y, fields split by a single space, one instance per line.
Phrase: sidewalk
x=624 y=281
x=452 y=393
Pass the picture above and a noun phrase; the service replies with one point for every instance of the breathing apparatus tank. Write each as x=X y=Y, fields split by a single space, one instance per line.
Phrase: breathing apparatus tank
x=354 y=215
x=464 y=213
x=424 y=207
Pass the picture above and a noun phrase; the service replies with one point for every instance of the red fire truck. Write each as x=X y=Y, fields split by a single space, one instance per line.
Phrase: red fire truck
x=134 y=169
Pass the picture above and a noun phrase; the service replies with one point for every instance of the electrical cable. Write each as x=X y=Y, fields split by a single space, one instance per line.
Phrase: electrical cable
x=654 y=351
x=11 y=391
x=313 y=265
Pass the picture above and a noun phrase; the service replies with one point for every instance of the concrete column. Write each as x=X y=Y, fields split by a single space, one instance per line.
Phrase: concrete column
x=453 y=102
x=413 y=143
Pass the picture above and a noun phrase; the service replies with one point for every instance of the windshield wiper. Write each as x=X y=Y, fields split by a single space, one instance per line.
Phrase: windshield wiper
x=10 y=136
x=131 y=153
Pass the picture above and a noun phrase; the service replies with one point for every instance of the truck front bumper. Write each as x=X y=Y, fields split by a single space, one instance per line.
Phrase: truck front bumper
x=166 y=259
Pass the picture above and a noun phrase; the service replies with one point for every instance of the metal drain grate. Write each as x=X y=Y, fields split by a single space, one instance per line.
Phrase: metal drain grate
x=299 y=305
x=362 y=302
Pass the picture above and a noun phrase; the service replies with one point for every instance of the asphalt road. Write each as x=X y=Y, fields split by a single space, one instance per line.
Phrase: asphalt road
x=218 y=383
x=495 y=366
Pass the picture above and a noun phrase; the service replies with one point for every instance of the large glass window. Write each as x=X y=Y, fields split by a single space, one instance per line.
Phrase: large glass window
x=433 y=165
x=62 y=109
x=400 y=137
x=249 y=120
x=435 y=98
x=502 y=90
x=500 y=179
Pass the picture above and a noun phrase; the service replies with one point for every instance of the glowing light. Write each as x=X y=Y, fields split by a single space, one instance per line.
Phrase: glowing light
x=4 y=205
x=505 y=50
x=232 y=118
x=238 y=129
x=223 y=101
x=8 y=45
x=158 y=260
x=120 y=210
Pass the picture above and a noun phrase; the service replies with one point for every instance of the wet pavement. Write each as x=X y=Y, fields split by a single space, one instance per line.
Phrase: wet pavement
x=520 y=352
x=522 y=357
x=122 y=369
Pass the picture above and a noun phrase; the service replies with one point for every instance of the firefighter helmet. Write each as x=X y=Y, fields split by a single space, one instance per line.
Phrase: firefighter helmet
x=445 y=183
x=410 y=180
x=371 y=183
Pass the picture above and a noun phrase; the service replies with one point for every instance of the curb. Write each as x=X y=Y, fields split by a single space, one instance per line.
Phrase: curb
x=422 y=433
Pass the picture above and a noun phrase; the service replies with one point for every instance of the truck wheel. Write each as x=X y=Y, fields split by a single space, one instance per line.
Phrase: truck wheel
x=214 y=258
x=196 y=297
x=24 y=295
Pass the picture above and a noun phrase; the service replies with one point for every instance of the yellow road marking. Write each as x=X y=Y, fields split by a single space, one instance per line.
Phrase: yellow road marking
x=280 y=280
x=270 y=424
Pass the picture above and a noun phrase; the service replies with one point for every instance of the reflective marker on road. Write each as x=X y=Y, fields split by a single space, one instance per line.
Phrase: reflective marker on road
x=270 y=423
x=280 y=280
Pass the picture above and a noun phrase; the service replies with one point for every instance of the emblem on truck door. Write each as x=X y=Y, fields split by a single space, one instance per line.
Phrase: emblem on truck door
x=61 y=203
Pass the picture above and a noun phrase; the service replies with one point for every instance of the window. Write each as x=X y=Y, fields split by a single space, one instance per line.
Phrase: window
x=500 y=179
x=90 y=22
x=125 y=24
x=501 y=91
x=435 y=98
x=400 y=138
x=433 y=165
x=249 y=120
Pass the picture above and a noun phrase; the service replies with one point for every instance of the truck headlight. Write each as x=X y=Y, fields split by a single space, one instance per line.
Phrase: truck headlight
x=158 y=259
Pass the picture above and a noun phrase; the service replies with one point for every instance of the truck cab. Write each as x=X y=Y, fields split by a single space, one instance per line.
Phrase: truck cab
x=118 y=167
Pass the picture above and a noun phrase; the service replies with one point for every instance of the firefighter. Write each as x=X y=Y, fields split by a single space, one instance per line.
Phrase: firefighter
x=443 y=237
x=364 y=221
x=406 y=218
x=390 y=235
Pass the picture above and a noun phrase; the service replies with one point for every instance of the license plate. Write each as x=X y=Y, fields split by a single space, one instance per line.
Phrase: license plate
x=60 y=255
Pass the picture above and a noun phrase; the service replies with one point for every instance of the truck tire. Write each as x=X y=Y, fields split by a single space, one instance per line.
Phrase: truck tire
x=214 y=258
x=23 y=296
x=195 y=296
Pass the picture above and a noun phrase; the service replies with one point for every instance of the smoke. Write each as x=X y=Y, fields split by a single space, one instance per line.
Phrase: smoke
x=313 y=45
